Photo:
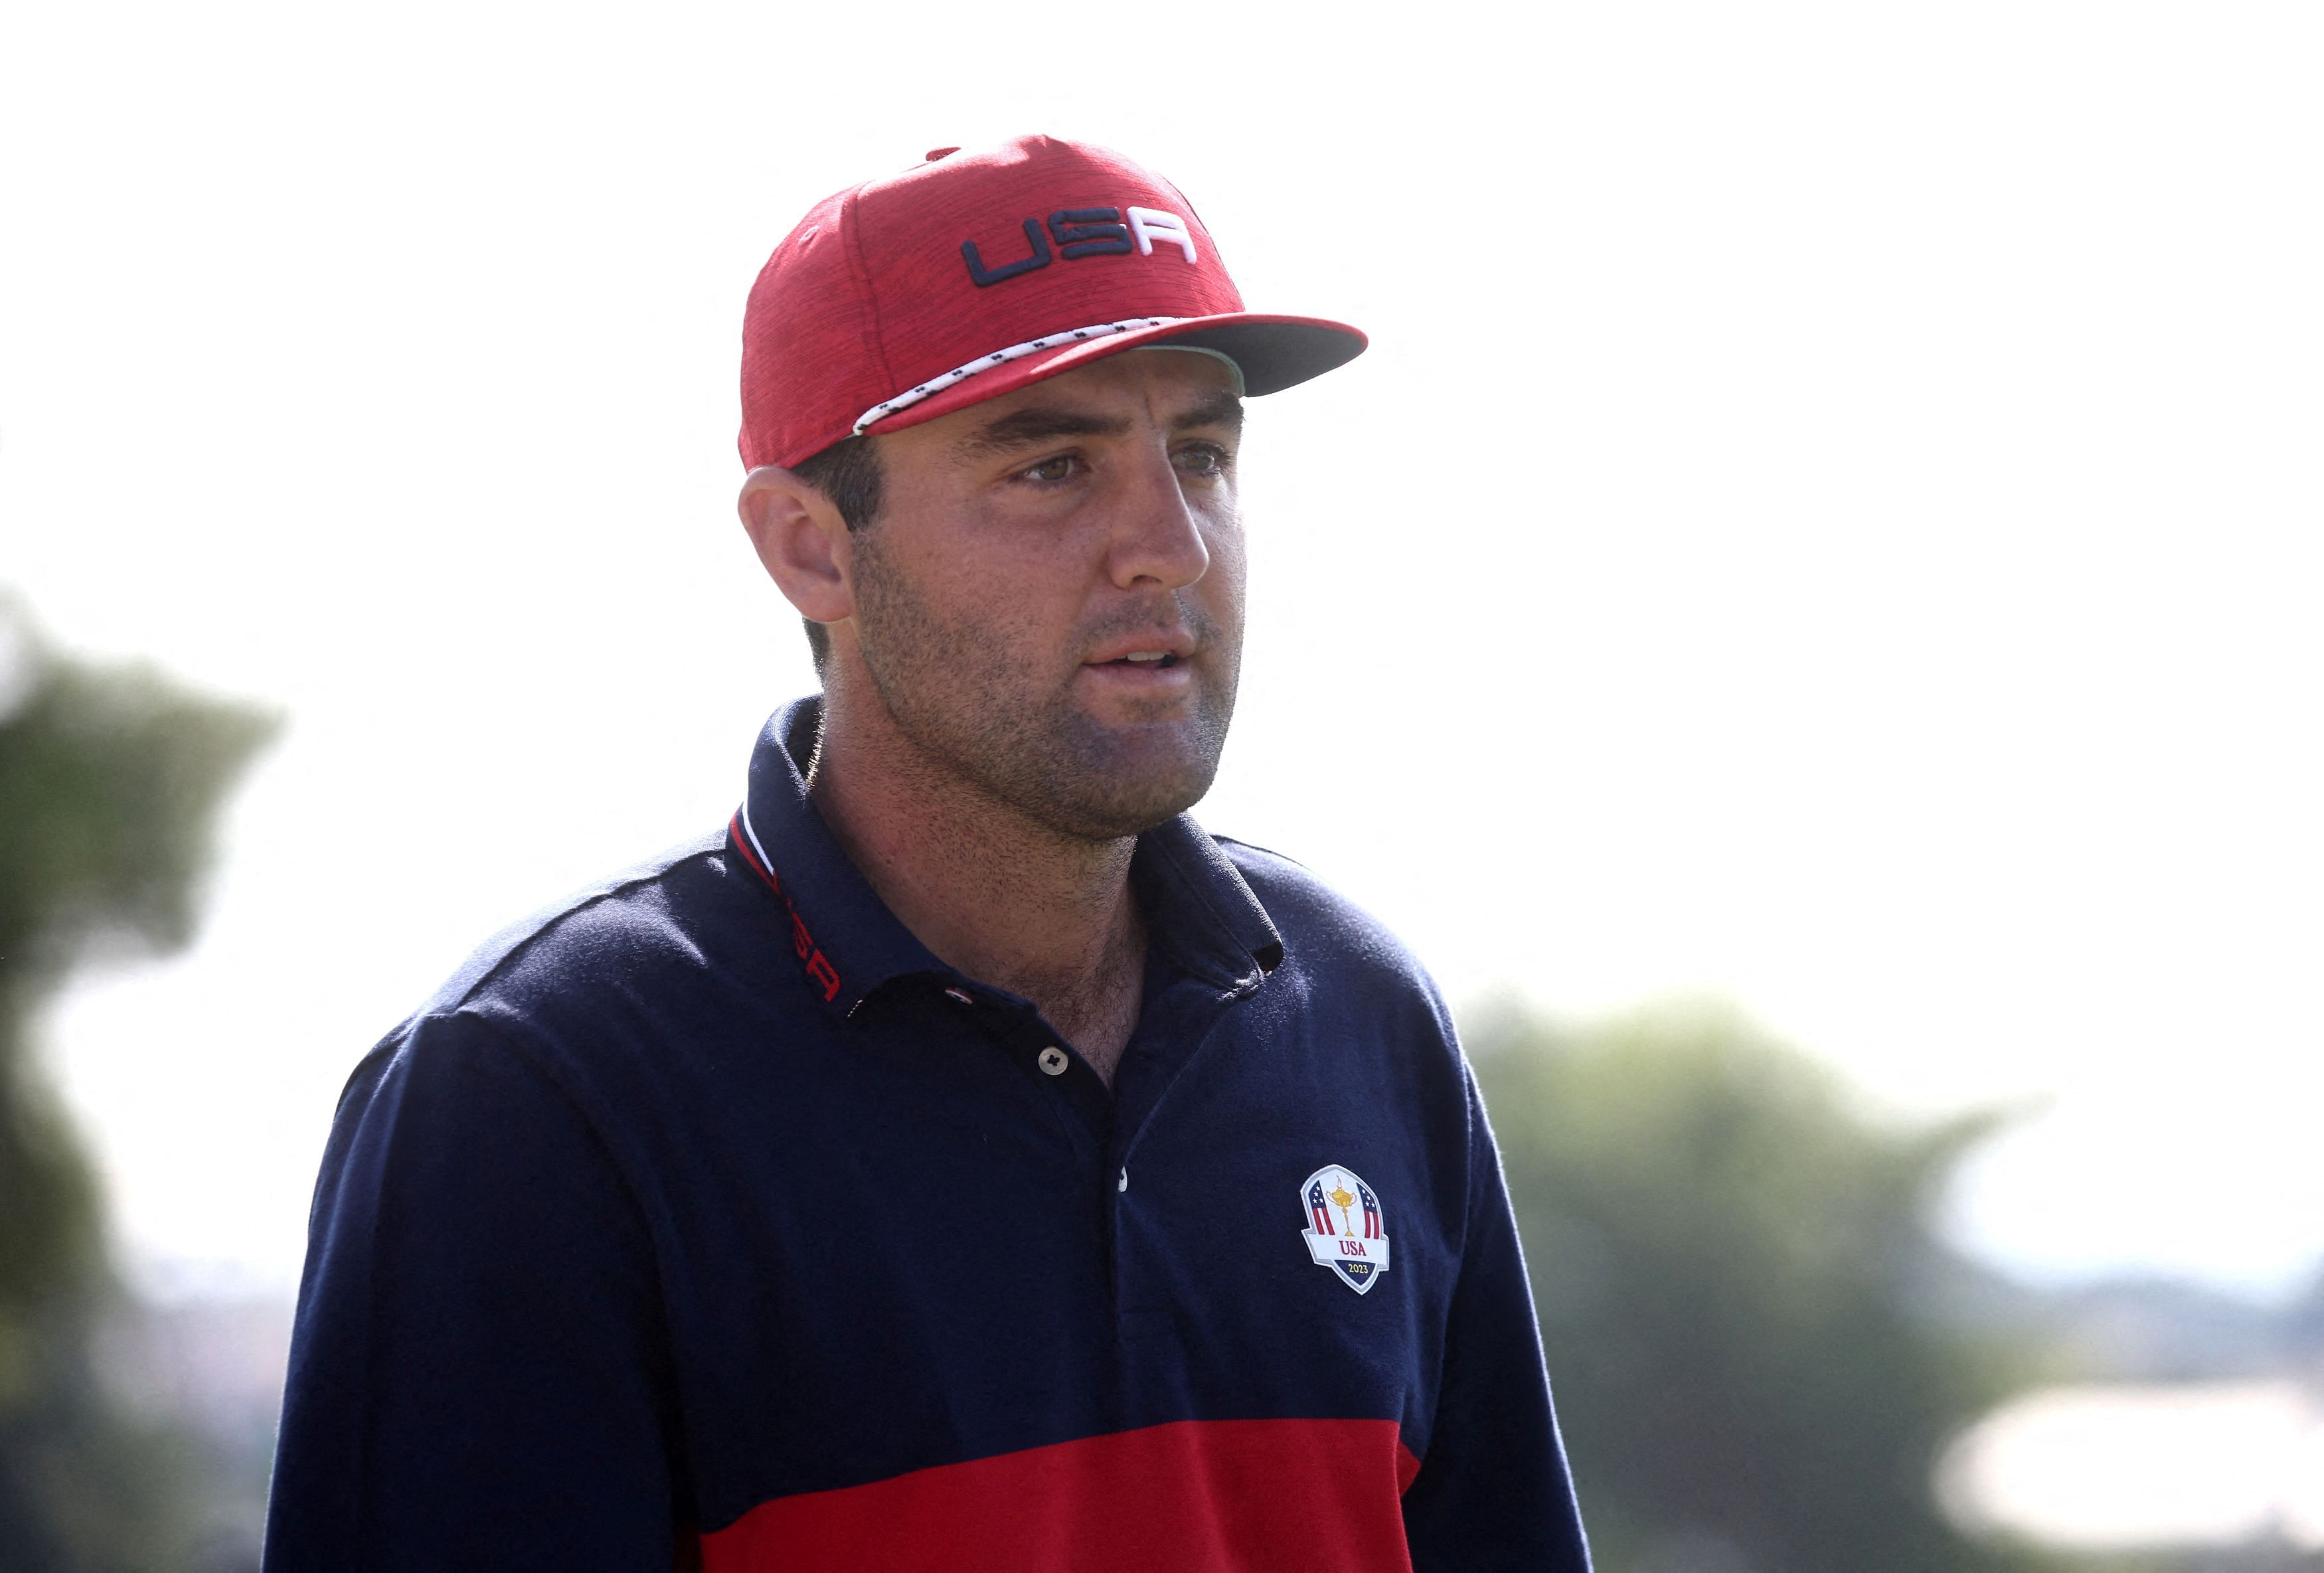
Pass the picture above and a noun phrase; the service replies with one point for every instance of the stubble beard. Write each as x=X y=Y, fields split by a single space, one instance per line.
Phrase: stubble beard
x=994 y=720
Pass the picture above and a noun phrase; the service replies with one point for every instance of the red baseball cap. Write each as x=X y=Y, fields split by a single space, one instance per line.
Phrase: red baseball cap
x=974 y=274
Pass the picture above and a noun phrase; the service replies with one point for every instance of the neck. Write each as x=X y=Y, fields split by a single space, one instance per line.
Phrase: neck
x=992 y=893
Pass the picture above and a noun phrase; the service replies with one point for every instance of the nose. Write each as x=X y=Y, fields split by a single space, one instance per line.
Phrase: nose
x=1158 y=539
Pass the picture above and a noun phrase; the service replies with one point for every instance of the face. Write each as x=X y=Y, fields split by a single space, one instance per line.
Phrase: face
x=1050 y=603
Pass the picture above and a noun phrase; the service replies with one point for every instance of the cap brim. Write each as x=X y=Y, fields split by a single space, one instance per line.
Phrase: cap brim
x=1273 y=353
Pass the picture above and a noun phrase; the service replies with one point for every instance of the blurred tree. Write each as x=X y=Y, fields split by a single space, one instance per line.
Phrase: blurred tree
x=1734 y=1268
x=109 y=780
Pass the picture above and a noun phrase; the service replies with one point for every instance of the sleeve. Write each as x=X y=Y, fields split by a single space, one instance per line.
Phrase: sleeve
x=479 y=1371
x=1493 y=1494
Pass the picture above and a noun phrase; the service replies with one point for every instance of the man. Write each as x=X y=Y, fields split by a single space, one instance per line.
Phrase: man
x=963 y=1162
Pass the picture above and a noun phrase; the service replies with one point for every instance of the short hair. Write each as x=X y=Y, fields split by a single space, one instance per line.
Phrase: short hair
x=848 y=474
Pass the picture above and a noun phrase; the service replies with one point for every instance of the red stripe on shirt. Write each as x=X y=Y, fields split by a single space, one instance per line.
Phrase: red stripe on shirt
x=749 y=858
x=818 y=966
x=1196 y=1496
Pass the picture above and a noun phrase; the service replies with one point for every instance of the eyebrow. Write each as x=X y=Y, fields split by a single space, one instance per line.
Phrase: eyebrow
x=1024 y=427
x=1219 y=409
x=1039 y=424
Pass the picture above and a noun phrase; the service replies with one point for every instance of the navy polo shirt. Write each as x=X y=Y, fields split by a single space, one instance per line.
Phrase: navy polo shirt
x=710 y=1221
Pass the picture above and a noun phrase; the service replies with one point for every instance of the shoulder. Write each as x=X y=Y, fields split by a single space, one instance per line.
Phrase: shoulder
x=553 y=1031
x=591 y=978
x=634 y=914
x=1324 y=932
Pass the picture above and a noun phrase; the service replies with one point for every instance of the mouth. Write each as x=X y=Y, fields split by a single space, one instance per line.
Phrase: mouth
x=1162 y=673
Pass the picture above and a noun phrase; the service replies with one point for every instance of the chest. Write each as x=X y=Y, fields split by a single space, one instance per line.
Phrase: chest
x=895 y=1254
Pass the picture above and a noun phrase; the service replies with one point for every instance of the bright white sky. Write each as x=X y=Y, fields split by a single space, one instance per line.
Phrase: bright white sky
x=1830 y=517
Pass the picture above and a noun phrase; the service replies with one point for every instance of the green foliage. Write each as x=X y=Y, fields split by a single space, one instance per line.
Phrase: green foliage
x=109 y=779
x=1733 y=1267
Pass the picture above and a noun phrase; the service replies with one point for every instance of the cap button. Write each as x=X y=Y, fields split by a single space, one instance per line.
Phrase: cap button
x=932 y=154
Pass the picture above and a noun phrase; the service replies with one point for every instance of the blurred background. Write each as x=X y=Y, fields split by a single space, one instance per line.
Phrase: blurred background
x=1804 y=619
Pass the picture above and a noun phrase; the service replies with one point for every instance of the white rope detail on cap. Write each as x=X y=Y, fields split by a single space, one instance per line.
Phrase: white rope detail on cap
x=936 y=385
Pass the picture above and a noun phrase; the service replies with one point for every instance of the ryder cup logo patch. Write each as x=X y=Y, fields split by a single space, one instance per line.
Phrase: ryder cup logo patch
x=1345 y=1230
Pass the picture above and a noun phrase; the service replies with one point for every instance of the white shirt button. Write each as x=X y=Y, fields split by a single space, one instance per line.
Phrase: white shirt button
x=1124 y=1183
x=1052 y=1061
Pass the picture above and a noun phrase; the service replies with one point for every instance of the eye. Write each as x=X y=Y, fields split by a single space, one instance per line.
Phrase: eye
x=1052 y=471
x=1206 y=459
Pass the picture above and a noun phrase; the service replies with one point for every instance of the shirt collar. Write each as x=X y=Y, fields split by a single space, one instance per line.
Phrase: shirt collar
x=1199 y=911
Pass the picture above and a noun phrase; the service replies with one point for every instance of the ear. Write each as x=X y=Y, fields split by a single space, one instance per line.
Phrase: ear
x=801 y=542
